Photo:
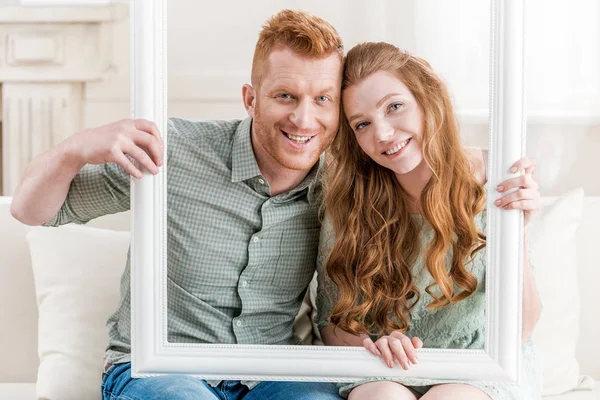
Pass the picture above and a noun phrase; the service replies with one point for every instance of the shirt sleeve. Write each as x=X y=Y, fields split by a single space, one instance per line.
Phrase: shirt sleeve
x=99 y=190
x=95 y=191
x=327 y=291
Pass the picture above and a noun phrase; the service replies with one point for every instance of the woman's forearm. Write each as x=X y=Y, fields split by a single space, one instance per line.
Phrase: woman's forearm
x=339 y=337
x=532 y=305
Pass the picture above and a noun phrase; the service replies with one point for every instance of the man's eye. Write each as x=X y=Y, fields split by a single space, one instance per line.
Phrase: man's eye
x=285 y=96
x=361 y=125
x=323 y=98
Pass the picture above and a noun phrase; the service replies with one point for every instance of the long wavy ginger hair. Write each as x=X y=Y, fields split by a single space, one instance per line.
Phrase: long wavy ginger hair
x=376 y=240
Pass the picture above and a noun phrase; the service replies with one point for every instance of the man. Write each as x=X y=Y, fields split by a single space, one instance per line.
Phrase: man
x=243 y=198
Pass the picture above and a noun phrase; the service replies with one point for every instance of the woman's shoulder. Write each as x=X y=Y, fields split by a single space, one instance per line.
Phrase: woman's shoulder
x=478 y=158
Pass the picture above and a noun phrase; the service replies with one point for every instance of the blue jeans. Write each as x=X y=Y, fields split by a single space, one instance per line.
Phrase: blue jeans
x=117 y=384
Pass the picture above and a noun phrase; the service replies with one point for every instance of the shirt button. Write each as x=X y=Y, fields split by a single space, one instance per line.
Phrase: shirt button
x=255 y=239
x=261 y=181
x=244 y=284
x=238 y=322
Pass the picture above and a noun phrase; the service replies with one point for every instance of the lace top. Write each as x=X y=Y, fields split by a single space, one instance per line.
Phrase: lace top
x=458 y=326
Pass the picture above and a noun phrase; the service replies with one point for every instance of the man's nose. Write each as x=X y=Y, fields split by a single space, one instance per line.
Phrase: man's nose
x=303 y=116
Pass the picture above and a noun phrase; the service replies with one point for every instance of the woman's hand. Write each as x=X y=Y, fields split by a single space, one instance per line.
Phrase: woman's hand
x=396 y=346
x=524 y=194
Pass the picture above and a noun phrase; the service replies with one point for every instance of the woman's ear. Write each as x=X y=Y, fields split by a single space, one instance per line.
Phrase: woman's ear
x=249 y=97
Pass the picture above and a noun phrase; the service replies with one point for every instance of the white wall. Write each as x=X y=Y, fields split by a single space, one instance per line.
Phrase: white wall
x=210 y=47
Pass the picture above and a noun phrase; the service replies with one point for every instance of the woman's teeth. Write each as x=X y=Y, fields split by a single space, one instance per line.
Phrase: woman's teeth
x=397 y=148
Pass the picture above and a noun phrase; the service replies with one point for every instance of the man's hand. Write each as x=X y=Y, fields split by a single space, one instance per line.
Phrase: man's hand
x=137 y=138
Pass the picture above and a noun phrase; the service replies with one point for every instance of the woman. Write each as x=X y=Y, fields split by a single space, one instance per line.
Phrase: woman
x=402 y=257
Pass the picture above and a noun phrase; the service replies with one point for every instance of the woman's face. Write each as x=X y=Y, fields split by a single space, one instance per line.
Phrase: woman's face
x=387 y=121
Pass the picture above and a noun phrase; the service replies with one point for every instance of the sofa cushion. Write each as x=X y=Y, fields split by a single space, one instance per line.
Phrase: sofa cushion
x=554 y=257
x=17 y=391
x=77 y=271
x=18 y=309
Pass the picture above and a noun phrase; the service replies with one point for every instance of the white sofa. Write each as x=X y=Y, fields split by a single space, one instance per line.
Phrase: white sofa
x=572 y=360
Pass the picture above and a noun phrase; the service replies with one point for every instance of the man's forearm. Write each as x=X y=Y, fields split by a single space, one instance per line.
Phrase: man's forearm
x=45 y=184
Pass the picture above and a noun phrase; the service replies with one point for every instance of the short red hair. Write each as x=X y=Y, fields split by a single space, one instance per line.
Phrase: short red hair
x=303 y=33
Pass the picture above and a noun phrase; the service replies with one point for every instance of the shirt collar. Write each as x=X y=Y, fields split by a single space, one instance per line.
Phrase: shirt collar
x=243 y=164
x=313 y=182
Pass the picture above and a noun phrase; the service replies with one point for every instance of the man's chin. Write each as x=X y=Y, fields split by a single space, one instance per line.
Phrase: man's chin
x=303 y=165
x=297 y=167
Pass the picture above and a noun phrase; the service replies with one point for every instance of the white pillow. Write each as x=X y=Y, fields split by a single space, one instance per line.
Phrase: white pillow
x=77 y=271
x=554 y=258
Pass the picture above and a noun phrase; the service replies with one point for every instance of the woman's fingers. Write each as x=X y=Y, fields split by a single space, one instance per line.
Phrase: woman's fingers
x=396 y=346
x=417 y=343
x=407 y=346
x=525 y=163
x=522 y=181
x=369 y=345
x=383 y=346
x=520 y=195
x=399 y=352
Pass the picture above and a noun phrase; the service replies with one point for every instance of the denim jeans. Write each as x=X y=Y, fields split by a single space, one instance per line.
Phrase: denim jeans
x=117 y=384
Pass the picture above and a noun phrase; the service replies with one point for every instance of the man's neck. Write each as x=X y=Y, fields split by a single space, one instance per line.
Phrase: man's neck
x=281 y=179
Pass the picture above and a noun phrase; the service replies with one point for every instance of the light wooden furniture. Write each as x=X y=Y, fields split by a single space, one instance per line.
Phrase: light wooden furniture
x=47 y=55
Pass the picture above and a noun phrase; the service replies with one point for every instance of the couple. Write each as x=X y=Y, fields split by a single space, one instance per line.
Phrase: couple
x=401 y=256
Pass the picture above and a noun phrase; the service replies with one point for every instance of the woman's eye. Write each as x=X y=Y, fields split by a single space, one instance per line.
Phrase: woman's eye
x=361 y=125
x=396 y=106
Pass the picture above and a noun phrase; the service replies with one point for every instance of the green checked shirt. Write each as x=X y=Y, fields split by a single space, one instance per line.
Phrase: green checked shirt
x=239 y=259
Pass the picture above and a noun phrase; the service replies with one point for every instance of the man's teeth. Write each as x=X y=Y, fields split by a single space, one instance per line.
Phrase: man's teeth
x=299 y=139
x=397 y=148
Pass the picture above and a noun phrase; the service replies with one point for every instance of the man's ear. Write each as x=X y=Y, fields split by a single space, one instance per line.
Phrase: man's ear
x=249 y=97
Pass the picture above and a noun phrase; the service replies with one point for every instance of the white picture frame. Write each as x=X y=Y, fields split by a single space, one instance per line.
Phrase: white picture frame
x=152 y=354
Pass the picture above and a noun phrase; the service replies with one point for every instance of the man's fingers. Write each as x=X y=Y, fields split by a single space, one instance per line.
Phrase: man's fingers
x=123 y=161
x=149 y=127
x=150 y=143
x=141 y=157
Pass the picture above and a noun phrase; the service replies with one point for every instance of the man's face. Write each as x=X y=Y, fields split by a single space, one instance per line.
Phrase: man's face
x=295 y=109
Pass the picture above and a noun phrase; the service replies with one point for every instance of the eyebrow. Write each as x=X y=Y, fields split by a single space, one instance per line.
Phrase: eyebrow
x=328 y=90
x=378 y=105
x=380 y=102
